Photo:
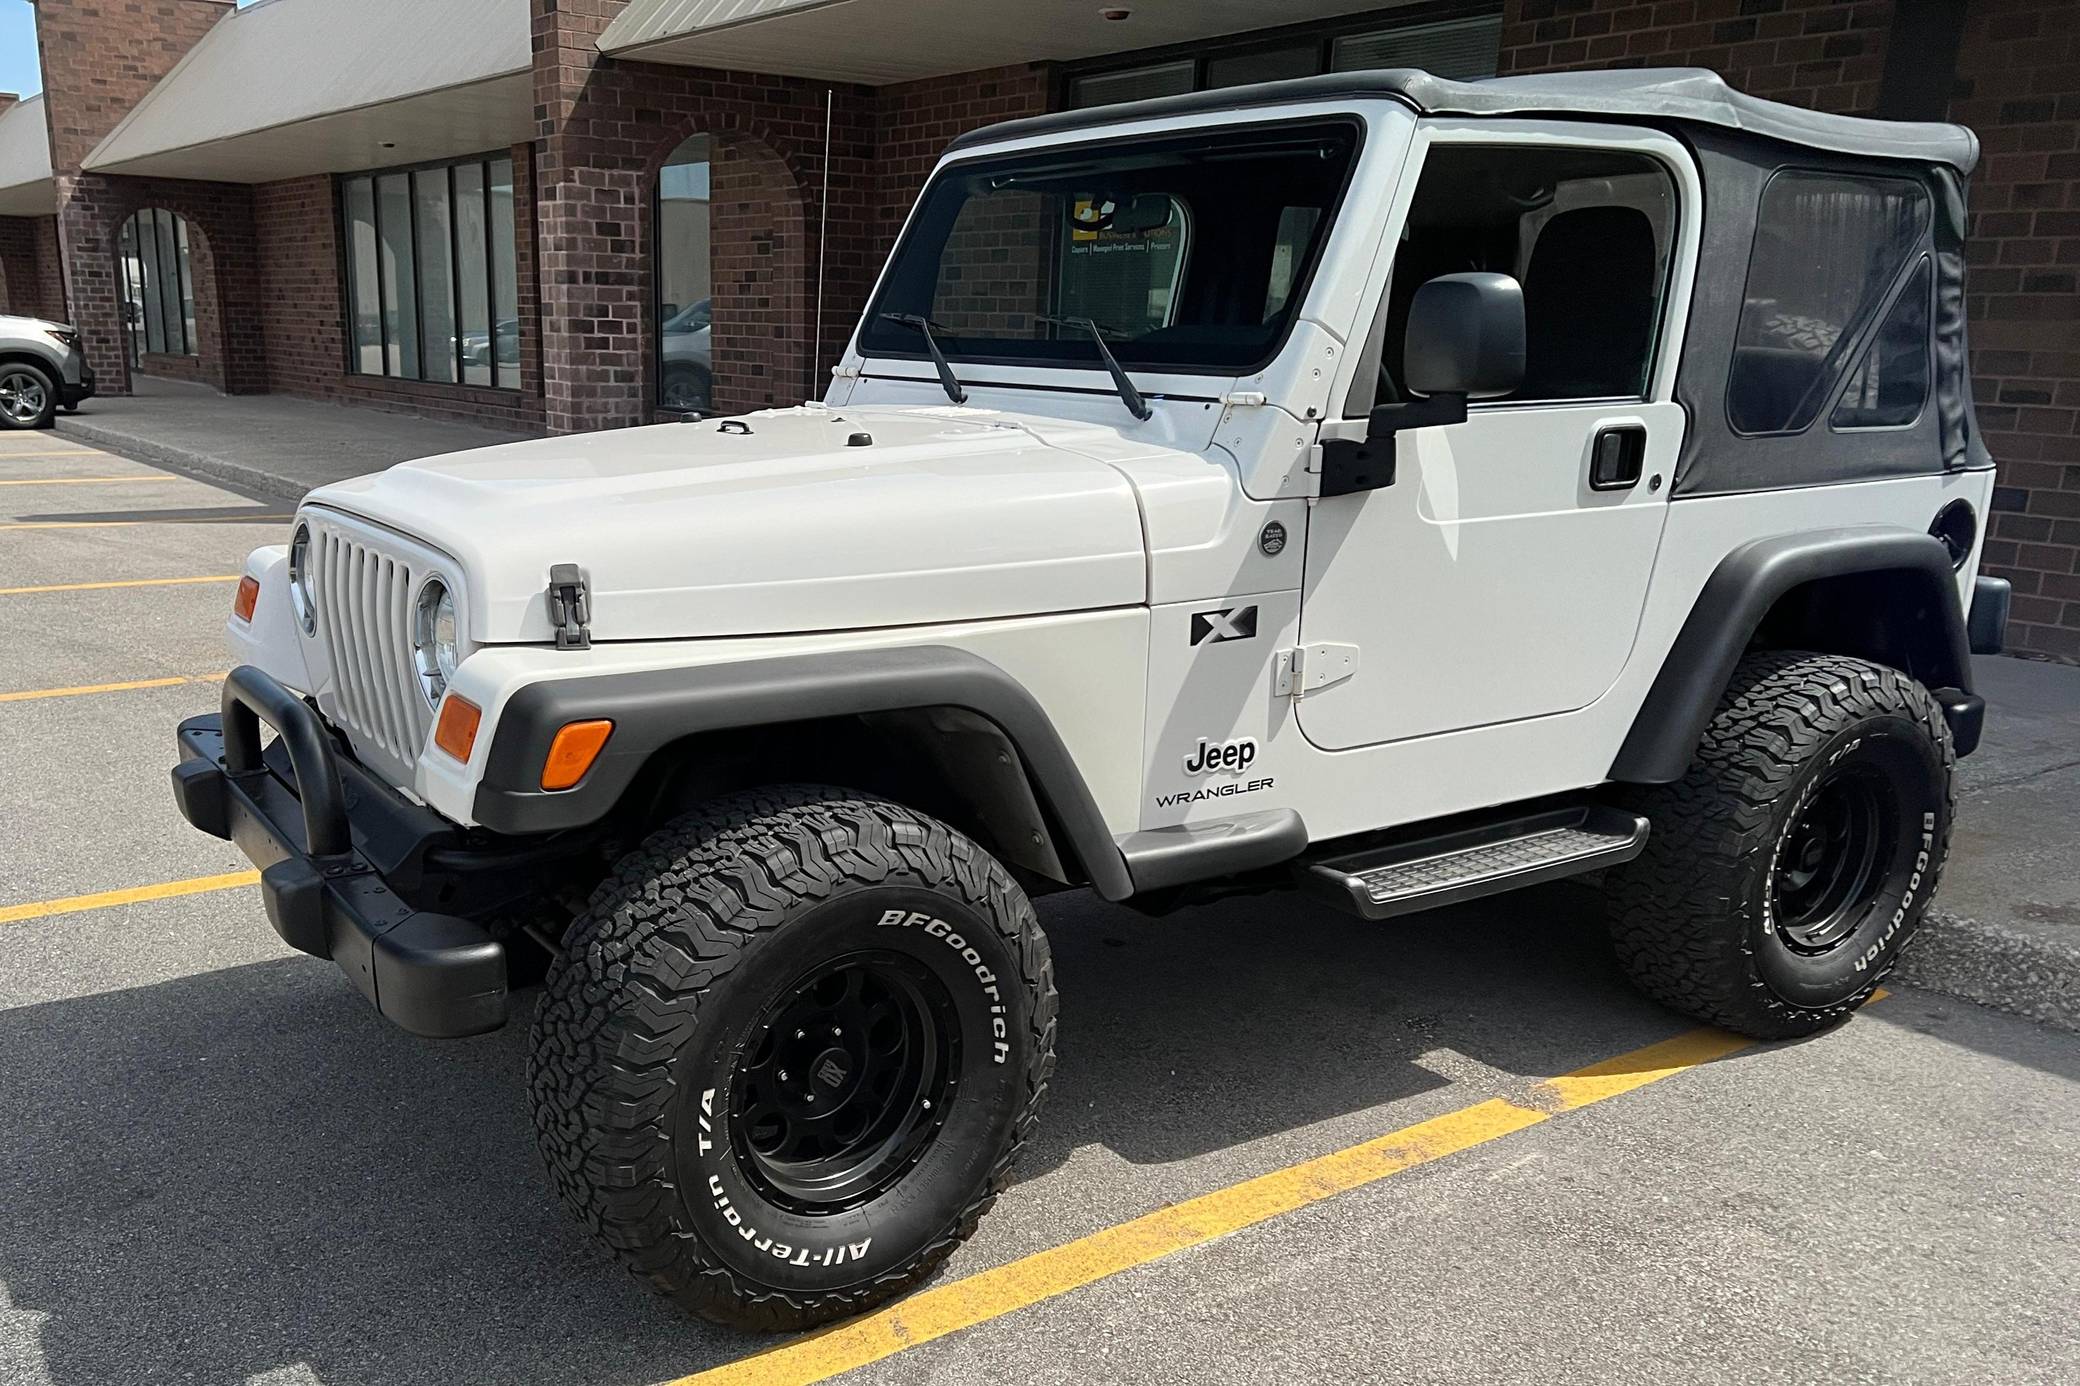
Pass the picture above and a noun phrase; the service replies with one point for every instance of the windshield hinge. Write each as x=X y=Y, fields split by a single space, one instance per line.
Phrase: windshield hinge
x=1246 y=399
x=570 y=607
x=1297 y=672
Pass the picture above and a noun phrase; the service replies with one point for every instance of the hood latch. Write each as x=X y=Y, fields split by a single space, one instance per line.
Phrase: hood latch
x=570 y=607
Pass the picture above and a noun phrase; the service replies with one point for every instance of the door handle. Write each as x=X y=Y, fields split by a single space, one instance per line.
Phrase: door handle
x=1617 y=457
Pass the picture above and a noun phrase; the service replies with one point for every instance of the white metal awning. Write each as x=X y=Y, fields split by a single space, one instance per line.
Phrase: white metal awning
x=26 y=186
x=883 y=41
x=291 y=87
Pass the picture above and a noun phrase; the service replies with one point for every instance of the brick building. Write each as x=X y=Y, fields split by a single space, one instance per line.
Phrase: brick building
x=571 y=214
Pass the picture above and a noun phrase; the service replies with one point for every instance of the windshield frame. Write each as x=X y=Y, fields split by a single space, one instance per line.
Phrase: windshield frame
x=1095 y=141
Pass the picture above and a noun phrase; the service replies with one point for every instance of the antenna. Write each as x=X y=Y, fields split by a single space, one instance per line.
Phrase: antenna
x=823 y=234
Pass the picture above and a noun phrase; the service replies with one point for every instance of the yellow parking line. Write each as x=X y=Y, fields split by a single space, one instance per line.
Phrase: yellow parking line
x=1045 y=1275
x=125 y=582
x=6 y=456
x=27 y=695
x=122 y=524
x=81 y=480
x=101 y=900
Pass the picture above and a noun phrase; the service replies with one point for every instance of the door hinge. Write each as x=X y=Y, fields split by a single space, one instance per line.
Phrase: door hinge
x=1297 y=672
x=570 y=607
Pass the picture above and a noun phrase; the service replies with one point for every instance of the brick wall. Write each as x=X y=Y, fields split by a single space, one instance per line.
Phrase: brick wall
x=301 y=320
x=604 y=129
x=917 y=120
x=29 y=276
x=1817 y=53
x=2019 y=87
x=101 y=56
x=50 y=270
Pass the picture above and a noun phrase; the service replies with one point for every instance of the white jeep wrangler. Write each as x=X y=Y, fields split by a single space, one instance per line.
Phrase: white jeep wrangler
x=1398 y=488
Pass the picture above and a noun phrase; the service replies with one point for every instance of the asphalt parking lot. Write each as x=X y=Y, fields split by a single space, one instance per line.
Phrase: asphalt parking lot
x=1281 y=1145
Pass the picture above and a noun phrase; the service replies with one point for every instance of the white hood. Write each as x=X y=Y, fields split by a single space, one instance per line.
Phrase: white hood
x=689 y=530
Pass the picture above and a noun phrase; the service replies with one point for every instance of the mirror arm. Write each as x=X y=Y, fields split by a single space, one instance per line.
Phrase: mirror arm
x=1352 y=465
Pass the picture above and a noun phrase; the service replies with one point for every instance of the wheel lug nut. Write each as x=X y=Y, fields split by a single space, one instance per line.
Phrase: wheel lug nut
x=837 y=1033
x=783 y=1075
x=798 y=1034
x=928 y=1104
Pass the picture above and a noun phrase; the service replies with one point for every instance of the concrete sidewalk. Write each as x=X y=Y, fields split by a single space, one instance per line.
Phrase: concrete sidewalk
x=2005 y=926
x=265 y=445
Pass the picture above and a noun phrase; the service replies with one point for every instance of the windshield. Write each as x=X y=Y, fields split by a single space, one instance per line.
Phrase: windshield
x=1188 y=253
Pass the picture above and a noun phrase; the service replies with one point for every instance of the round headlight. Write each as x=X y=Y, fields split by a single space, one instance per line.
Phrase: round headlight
x=300 y=597
x=433 y=639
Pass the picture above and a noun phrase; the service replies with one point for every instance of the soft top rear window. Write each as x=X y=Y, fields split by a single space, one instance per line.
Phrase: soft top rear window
x=1189 y=253
x=1829 y=250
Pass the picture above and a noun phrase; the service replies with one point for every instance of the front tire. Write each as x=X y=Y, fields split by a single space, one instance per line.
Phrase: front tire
x=1785 y=871
x=790 y=1051
x=28 y=396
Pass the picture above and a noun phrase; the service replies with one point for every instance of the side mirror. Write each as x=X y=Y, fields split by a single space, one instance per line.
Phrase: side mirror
x=1466 y=336
x=1465 y=341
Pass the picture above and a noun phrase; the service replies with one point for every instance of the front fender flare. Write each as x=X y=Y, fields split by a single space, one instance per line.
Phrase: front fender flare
x=1731 y=607
x=652 y=708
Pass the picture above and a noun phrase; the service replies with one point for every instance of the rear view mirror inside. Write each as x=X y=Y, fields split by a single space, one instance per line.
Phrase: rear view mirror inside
x=1137 y=216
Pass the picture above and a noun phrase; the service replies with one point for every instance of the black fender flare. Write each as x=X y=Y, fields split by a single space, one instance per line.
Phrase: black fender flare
x=1731 y=607
x=652 y=708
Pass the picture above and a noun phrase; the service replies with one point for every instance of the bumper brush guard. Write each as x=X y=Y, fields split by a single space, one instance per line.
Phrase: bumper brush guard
x=433 y=974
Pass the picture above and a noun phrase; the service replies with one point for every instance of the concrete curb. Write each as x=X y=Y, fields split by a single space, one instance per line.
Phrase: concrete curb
x=251 y=480
x=2006 y=969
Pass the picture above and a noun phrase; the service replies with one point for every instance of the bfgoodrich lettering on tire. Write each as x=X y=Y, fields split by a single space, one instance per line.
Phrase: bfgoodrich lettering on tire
x=790 y=1052
x=1791 y=864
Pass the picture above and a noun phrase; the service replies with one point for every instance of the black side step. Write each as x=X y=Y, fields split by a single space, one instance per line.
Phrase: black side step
x=1444 y=869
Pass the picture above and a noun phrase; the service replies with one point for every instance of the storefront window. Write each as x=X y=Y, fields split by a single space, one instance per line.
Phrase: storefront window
x=685 y=361
x=158 y=290
x=432 y=282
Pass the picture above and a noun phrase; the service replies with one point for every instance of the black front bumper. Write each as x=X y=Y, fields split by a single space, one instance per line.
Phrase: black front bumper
x=342 y=858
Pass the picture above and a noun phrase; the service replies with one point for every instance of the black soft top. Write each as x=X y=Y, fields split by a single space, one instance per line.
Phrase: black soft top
x=1690 y=95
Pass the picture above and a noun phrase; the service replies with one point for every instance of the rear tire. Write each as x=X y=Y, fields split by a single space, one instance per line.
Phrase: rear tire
x=1785 y=871
x=790 y=1051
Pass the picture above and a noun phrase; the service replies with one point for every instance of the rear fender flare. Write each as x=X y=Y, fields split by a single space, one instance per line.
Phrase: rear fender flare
x=1741 y=593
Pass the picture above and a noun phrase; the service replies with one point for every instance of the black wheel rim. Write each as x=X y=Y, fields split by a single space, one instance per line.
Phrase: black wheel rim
x=1831 y=862
x=685 y=393
x=844 y=1082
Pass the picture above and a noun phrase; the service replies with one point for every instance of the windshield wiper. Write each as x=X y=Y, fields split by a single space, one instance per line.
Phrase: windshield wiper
x=947 y=379
x=1129 y=396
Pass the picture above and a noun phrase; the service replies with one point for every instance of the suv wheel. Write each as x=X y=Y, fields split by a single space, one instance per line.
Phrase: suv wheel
x=1791 y=864
x=687 y=390
x=28 y=397
x=789 y=1052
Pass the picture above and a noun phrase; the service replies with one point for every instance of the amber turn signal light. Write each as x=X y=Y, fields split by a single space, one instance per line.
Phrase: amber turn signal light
x=248 y=597
x=571 y=754
x=456 y=732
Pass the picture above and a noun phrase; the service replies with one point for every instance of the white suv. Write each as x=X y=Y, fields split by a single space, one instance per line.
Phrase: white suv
x=42 y=370
x=1398 y=488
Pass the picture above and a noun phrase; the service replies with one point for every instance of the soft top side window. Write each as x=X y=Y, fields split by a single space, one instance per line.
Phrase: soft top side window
x=1586 y=231
x=1829 y=250
x=1889 y=386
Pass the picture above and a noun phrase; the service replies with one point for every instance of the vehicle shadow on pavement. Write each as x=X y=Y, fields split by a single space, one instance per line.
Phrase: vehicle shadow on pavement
x=1224 y=1024
x=236 y=1172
